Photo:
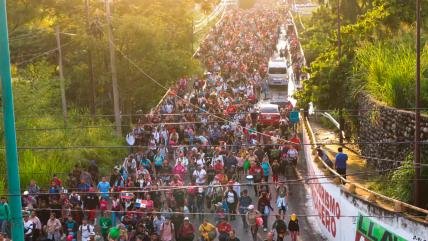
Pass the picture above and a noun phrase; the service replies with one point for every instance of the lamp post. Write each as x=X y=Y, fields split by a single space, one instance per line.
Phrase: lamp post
x=339 y=48
x=418 y=104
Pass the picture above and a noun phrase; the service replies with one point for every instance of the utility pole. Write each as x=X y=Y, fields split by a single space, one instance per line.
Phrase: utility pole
x=9 y=130
x=418 y=104
x=193 y=29
x=61 y=77
x=113 y=73
x=90 y=69
x=339 y=48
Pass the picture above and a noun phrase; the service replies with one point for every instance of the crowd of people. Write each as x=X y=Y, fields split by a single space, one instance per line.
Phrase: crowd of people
x=189 y=158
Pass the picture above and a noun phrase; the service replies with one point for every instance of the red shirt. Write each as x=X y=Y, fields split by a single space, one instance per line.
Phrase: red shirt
x=225 y=226
x=256 y=170
x=295 y=140
x=57 y=182
x=218 y=166
x=231 y=109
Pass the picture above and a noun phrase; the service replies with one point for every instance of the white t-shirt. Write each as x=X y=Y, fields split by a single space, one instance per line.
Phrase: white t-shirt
x=230 y=197
x=200 y=162
x=169 y=108
x=184 y=161
x=200 y=175
x=86 y=230
x=292 y=153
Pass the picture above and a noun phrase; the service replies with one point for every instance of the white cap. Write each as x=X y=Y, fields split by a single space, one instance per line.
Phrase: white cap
x=201 y=190
x=26 y=193
x=251 y=207
x=92 y=233
x=186 y=219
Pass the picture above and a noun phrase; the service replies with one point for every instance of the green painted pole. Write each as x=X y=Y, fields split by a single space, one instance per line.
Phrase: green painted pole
x=9 y=130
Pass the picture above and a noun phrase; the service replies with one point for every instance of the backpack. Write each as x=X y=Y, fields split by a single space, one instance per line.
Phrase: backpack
x=211 y=234
x=200 y=198
x=281 y=227
x=170 y=225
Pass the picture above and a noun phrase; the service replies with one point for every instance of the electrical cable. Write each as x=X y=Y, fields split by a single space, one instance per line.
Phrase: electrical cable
x=303 y=111
x=294 y=144
x=50 y=51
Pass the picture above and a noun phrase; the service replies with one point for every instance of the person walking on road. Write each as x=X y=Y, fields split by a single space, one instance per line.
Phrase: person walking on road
x=167 y=231
x=280 y=226
x=251 y=221
x=293 y=226
x=270 y=237
x=224 y=228
x=282 y=199
x=186 y=231
x=232 y=236
x=340 y=162
x=263 y=206
x=204 y=231
x=242 y=207
x=4 y=215
x=257 y=172
x=231 y=198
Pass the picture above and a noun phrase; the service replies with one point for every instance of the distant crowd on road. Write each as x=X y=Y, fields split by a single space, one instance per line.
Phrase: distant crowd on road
x=189 y=157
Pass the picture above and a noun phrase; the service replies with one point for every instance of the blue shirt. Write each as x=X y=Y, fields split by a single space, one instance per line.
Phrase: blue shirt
x=294 y=116
x=265 y=167
x=103 y=188
x=341 y=159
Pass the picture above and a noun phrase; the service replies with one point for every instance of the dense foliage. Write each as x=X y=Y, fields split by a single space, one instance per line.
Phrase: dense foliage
x=378 y=57
x=156 y=35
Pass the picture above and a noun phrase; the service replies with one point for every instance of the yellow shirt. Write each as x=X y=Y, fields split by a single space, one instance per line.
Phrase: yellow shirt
x=206 y=229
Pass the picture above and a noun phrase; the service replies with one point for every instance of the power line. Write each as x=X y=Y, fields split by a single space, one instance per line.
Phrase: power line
x=50 y=51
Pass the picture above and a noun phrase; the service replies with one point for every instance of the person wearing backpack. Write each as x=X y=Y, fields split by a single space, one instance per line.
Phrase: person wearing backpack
x=224 y=228
x=207 y=231
x=200 y=202
x=281 y=228
x=70 y=226
x=28 y=228
x=167 y=230
x=282 y=199
x=242 y=207
x=84 y=230
x=4 y=214
x=186 y=231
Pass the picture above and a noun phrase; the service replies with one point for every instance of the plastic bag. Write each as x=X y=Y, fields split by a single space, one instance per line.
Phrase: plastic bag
x=114 y=233
x=247 y=165
x=259 y=221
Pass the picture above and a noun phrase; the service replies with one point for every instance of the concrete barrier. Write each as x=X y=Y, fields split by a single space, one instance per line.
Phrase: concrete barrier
x=345 y=215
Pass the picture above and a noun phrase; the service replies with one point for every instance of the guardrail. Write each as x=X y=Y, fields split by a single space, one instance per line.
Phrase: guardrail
x=167 y=92
x=398 y=205
x=297 y=36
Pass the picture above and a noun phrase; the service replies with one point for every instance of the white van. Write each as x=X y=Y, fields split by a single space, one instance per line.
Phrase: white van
x=277 y=72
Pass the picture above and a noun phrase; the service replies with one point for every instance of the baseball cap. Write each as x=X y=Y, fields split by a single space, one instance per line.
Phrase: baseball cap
x=293 y=217
x=91 y=189
x=92 y=233
x=200 y=190
x=26 y=193
x=233 y=166
x=219 y=204
x=92 y=162
x=181 y=154
x=70 y=237
x=251 y=207
x=186 y=219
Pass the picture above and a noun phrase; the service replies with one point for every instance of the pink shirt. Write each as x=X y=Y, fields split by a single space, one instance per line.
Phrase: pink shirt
x=166 y=232
x=104 y=205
